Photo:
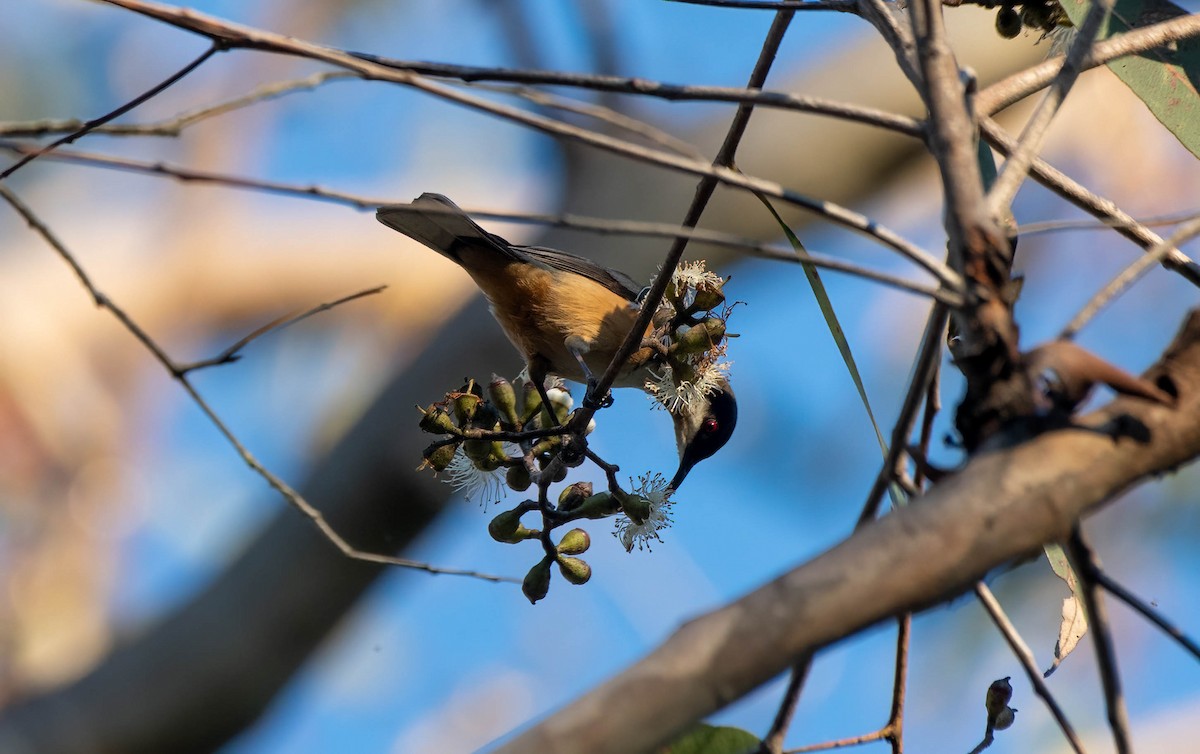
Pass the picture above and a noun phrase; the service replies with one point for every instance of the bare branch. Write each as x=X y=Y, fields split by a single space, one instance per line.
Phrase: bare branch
x=175 y=126
x=290 y=495
x=1098 y=206
x=118 y=112
x=1003 y=505
x=238 y=36
x=1129 y=275
x=1025 y=656
x=233 y=352
x=1086 y=565
x=1152 y=615
x=772 y=743
x=1016 y=167
x=1020 y=85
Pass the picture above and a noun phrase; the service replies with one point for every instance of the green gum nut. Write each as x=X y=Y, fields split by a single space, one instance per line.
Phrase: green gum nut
x=707 y=299
x=517 y=478
x=537 y=582
x=465 y=406
x=439 y=456
x=507 y=527
x=600 y=505
x=574 y=570
x=533 y=402
x=504 y=398
x=437 y=421
x=574 y=542
x=573 y=496
x=477 y=450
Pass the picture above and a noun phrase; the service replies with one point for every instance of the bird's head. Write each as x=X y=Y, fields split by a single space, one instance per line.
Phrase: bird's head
x=703 y=428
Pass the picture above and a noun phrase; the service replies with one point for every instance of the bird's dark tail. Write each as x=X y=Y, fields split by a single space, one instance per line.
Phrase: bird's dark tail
x=438 y=223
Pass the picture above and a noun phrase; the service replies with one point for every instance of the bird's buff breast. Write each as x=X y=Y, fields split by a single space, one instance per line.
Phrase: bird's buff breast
x=540 y=309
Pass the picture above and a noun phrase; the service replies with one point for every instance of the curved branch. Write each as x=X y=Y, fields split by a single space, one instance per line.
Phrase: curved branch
x=1002 y=506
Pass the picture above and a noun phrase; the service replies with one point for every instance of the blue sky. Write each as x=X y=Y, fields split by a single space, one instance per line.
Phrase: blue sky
x=422 y=659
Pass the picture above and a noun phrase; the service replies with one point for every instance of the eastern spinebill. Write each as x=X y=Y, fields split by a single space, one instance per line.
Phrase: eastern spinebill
x=566 y=314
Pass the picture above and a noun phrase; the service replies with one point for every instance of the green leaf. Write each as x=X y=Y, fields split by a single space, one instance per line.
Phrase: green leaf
x=1163 y=78
x=831 y=320
x=712 y=739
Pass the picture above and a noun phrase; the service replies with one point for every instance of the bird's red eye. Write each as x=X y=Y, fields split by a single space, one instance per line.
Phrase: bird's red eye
x=709 y=426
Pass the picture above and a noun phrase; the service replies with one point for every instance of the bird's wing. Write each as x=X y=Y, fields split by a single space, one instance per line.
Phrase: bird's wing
x=614 y=280
x=441 y=225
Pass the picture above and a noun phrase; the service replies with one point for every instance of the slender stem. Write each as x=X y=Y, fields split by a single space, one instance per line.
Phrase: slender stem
x=290 y=495
x=1025 y=656
x=1016 y=167
x=1086 y=566
x=91 y=125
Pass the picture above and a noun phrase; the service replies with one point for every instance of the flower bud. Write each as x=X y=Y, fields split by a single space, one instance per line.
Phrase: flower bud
x=437 y=421
x=547 y=445
x=635 y=506
x=700 y=338
x=574 y=542
x=1005 y=719
x=571 y=497
x=574 y=570
x=533 y=402
x=707 y=298
x=600 y=505
x=507 y=527
x=517 y=478
x=438 y=457
x=465 y=406
x=477 y=450
x=537 y=582
x=504 y=398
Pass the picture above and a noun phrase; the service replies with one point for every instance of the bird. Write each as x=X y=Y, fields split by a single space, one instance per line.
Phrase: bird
x=565 y=314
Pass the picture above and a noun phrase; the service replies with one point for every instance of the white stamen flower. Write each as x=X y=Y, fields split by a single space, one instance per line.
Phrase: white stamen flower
x=693 y=275
x=654 y=490
x=474 y=483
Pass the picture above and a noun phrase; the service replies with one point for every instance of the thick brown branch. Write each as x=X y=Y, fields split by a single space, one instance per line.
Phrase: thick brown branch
x=1005 y=504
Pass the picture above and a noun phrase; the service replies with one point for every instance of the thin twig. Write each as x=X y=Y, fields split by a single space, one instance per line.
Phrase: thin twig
x=233 y=352
x=841 y=743
x=118 y=112
x=704 y=190
x=948 y=296
x=894 y=730
x=175 y=126
x=772 y=743
x=1058 y=226
x=923 y=367
x=1127 y=276
x=1148 y=612
x=845 y=6
x=1016 y=167
x=660 y=90
x=1086 y=565
x=1103 y=208
x=235 y=35
x=1025 y=656
x=1018 y=86
x=290 y=495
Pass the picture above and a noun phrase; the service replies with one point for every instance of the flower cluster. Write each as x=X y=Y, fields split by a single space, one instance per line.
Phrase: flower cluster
x=476 y=464
x=693 y=339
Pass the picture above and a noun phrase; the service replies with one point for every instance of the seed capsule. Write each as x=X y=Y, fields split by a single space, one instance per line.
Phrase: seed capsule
x=537 y=582
x=574 y=570
x=574 y=542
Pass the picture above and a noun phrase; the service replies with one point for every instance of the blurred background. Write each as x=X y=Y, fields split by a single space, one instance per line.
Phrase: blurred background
x=147 y=572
